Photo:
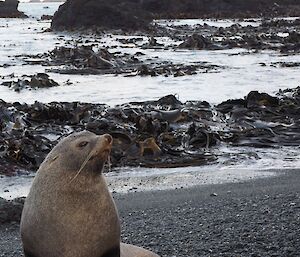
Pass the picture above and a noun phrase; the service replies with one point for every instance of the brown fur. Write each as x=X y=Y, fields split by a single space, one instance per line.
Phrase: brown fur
x=69 y=211
x=135 y=251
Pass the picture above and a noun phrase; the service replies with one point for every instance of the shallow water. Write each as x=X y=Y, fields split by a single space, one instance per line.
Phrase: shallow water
x=217 y=23
x=241 y=71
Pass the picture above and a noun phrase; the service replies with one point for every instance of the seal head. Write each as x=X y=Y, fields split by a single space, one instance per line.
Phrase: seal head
x=78 y=149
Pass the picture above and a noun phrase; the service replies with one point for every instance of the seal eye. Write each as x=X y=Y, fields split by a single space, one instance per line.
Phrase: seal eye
x=83 y=144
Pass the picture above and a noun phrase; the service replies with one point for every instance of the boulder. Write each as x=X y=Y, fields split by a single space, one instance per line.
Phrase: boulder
x=9 y=9
x=255 y=99
x=39 y=80
x=10 y=211
x=198 y=42
x=132 y=15
x=220 y=8
x=113 y=14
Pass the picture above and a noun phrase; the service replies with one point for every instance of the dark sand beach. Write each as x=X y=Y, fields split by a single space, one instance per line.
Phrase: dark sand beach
x=121 y=55
x=254 y=218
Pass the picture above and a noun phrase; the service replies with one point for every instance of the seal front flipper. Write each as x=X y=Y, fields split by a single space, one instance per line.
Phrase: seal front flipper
x=135 y=251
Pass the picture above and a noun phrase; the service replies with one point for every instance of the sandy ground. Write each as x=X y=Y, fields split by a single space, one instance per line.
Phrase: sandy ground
x=260 y=217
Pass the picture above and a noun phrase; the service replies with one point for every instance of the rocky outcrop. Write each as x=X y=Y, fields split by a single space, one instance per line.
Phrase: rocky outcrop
x=39 y=80
x=221 y=8
x=137 y=14
x=113 y=14
x=198 y=42
x=9 y=9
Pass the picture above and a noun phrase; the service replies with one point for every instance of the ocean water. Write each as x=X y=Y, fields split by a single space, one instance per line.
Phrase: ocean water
x=240 y=74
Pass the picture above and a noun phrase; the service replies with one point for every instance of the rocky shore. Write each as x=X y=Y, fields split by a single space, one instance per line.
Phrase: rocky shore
x=254 y=218
x=174 y=9
x=135 y=14
x=161 y=133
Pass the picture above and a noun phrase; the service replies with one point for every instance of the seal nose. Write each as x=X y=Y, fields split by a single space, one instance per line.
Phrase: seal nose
x=108 y=138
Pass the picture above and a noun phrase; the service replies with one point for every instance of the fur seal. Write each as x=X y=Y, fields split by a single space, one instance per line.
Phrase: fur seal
x=69 y=211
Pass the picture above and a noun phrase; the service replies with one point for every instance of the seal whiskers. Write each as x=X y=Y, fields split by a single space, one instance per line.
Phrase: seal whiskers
x=91 y=154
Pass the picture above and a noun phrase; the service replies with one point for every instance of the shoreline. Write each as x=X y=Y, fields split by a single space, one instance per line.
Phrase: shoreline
x=253 y=218
x=135 y=180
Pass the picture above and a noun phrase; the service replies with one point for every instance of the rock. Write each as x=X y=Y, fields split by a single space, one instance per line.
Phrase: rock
x=256 y=99
x=176 y=9
x=293 y=37
x=46 y=17
x=197 y=41
x=169 y=100
x=40 y=80
x=144 y=70
x=113 y=14
x=10 y=211
x=152 y=43
x=132 y=15
x=9 y=9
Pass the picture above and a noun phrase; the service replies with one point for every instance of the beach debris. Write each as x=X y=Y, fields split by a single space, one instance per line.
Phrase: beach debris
x=85 y=60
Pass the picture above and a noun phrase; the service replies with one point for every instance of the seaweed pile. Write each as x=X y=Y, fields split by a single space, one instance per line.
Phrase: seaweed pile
x=39 y=80
x=85 y=54
x=276 y=35
x=161 y=133
x=84 y=60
